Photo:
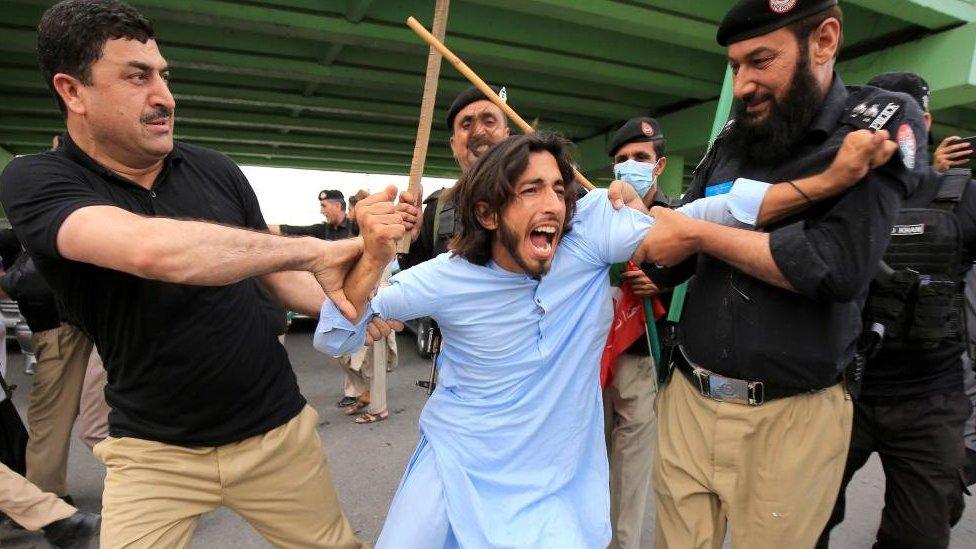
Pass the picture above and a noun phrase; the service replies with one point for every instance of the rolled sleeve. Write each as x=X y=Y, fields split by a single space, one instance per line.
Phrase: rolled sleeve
x=335 y=335
x=746 y=198
x=740 y=206
x=835 y=256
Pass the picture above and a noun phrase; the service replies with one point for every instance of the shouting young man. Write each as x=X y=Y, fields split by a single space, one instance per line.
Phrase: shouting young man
x=512 y=450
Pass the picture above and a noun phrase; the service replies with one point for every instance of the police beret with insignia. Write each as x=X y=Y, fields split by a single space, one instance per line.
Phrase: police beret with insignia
x=636 y=130
x=904 y=82
x=467 y=97
x=752 y=18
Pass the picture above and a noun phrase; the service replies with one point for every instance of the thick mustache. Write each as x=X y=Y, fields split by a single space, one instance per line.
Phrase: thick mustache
x=756 y=97
x=161 y=113
x=476 y=142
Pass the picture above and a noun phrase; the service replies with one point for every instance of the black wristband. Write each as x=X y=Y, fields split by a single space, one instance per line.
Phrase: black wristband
x=799 y=190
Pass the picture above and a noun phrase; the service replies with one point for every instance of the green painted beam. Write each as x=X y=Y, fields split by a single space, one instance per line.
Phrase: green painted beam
x=931 y=14
x=254 y=66
x=333 y=166
x=5 y=157
x=357 y=10
x=619 y=19
x=672 y=178
x=947 y=60
x=266 y=20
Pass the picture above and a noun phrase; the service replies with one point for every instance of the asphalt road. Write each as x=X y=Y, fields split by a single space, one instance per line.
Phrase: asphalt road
x=367 y=461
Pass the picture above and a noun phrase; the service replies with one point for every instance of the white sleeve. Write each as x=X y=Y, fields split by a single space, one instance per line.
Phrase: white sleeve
x=740 y=205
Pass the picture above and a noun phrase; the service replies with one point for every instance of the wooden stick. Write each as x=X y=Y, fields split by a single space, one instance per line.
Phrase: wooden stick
x=426 y=111
x=481 y=85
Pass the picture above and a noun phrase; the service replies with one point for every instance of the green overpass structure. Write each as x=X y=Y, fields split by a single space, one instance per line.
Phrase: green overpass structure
x=336 y=84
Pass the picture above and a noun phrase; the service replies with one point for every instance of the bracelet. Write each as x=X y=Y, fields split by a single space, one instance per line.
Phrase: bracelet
x=803 y=194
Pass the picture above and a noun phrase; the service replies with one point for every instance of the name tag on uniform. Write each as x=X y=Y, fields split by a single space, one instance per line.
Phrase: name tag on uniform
x=719 y=188
x=907 y=230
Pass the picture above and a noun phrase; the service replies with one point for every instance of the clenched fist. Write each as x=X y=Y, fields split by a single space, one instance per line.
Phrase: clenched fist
x=380 y=225
x=861 y=151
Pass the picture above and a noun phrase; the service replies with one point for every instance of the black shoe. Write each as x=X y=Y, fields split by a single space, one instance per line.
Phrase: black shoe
x=346 y=401
x=73 y=532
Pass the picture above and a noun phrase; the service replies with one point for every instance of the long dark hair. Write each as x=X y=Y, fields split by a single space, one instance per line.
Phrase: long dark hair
x=491 y=180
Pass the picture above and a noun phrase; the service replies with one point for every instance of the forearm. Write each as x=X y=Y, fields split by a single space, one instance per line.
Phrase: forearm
x=783 y=199
x=185 y=252
x=207 y=254
x=362 y=281
x=747 y=251
x=296 y=291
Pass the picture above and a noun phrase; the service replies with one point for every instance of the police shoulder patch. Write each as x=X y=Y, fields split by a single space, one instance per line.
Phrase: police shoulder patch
x=873 y=111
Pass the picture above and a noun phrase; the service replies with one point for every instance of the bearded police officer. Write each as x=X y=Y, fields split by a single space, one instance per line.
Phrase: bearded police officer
x=637 y=151
x=754 y=428
x=912 y=407
x=476 y=125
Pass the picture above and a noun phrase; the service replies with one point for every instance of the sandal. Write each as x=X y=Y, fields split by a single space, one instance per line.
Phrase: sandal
x=372 y=418
x=355 y=408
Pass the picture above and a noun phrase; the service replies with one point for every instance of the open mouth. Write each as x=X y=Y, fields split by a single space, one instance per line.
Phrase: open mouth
x=542 y=239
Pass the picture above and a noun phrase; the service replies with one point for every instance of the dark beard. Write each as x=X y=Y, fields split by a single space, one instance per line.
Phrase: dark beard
x=510 y=241
x=773 y=141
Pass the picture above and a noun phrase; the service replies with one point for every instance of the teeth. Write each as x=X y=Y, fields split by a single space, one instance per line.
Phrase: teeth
x=546 y=229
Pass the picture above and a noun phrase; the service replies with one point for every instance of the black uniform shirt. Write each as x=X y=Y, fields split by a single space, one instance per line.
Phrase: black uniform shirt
x=189 y=365
x=425 y=247
x=325 y=231
x=736 y=325
x=915 y=372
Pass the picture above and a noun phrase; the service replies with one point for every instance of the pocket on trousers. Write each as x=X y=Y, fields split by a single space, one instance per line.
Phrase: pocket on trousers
x=47 y=344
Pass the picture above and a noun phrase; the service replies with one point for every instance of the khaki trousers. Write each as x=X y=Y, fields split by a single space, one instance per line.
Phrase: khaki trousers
x=62 y=357
x=26 y=504
x=93 y=410
x=628 y=406
x=279 y=482
x=366 y=371
x=771 y=472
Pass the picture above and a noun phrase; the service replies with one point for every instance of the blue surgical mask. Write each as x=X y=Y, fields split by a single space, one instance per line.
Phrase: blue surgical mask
x=640 y=175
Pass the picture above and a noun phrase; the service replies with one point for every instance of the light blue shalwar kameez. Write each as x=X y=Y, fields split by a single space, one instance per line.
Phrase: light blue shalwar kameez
x=512 y=451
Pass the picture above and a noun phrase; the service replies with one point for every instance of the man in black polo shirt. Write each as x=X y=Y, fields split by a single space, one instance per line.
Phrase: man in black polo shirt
x=755 y=426
x=157 y=249
x=337 y=224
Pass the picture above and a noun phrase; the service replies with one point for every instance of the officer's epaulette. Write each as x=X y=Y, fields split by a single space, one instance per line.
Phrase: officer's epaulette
x=871 y=108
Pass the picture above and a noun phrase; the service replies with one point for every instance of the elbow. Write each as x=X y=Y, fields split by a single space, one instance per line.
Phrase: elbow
x=331 y=346
x=844 y=289
x=151 y=262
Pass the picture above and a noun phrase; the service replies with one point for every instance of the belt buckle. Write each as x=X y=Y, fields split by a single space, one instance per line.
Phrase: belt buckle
x=727 y=389
x=757 y=393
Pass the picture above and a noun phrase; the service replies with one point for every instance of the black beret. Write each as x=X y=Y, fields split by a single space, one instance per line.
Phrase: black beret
x=752 y=18
x=905 y=82
x=464 y=99
x=636 y=130
x=332 y=194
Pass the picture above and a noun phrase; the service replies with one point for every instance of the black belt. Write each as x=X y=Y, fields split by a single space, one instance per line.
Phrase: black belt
x=728 y=389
